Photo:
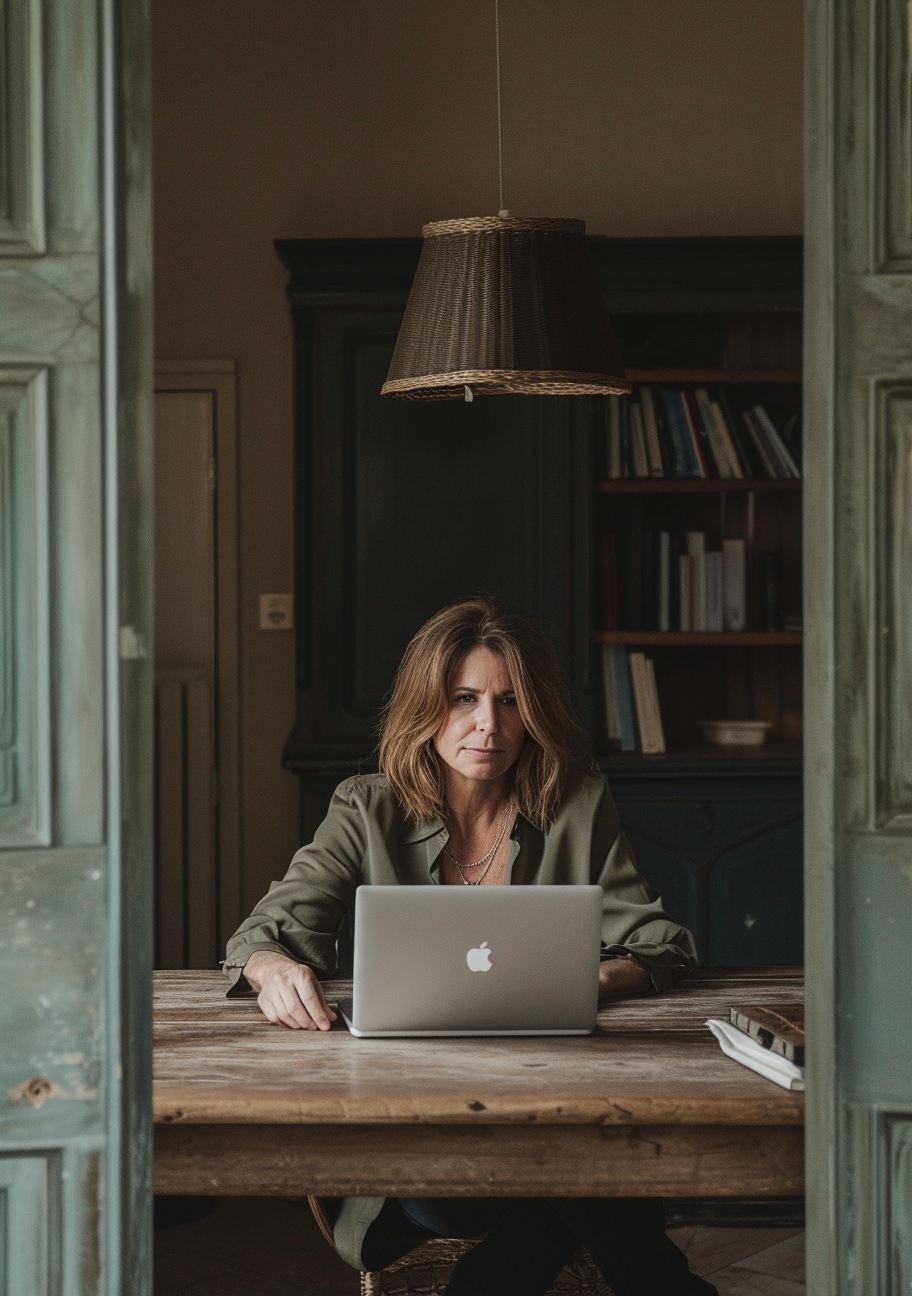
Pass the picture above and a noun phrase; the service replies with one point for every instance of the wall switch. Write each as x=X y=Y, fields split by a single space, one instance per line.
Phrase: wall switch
x=276 y=612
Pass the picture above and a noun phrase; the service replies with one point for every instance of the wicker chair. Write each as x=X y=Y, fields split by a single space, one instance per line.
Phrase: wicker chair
x=426 y=1270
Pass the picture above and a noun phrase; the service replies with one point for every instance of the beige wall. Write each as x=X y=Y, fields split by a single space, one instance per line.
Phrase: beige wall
x=288 y=118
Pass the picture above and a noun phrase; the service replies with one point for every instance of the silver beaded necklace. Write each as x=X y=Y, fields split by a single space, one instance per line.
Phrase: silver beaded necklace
x=487 y=858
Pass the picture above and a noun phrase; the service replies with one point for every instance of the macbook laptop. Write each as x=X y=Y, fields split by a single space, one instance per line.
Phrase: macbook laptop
x=499 y=960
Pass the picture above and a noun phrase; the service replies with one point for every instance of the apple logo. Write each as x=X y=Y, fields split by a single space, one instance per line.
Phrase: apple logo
x=479 y=960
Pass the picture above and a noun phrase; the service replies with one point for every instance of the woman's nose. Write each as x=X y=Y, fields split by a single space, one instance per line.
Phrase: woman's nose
x=487 y=720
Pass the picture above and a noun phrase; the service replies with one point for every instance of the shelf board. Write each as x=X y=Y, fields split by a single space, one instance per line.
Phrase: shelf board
x=701 y=638
x=694 y=485
x=715 y=376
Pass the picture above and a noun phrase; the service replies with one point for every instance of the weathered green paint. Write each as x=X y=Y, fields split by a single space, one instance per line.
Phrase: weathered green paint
x=75 y=719
x=858 y=644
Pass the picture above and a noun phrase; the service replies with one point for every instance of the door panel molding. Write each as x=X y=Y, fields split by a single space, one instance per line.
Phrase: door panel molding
x=25 y=726
x=218 y=377
x=24 y=1226
x=22 y=178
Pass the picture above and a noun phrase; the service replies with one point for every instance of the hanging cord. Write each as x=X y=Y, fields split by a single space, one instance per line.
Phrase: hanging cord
x=502 y=211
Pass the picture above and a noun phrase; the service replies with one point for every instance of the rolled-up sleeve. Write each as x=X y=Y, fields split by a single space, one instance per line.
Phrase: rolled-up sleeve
x=300 y=915
x=634 y=920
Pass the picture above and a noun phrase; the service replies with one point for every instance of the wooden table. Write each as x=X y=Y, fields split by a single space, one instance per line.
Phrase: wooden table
x=648 y=1106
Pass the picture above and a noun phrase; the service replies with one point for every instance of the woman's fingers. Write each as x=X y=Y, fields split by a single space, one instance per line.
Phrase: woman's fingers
x=293 y=998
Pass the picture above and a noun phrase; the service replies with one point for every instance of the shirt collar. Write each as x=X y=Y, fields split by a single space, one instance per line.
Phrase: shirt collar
x=436 y=828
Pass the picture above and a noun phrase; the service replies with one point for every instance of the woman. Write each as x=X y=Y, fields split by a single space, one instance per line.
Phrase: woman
x=478 y=787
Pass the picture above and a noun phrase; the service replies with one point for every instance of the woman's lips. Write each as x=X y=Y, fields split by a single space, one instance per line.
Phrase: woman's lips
x=483 y=751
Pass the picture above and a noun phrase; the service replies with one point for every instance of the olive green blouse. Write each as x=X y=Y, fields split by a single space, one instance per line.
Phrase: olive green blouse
x=365 y=838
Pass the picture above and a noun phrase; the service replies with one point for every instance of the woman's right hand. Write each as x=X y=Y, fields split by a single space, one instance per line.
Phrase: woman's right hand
x=289 y=994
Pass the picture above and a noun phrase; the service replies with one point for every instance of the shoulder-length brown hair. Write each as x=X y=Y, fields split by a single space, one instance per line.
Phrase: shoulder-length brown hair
x=420 y=699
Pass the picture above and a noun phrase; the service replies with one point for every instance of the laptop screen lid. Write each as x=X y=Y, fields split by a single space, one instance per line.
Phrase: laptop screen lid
x=447 y=960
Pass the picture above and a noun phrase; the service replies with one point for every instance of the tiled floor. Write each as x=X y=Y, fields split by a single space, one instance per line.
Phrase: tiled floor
x=271 y=1247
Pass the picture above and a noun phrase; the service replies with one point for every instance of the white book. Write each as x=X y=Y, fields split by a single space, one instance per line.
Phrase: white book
x=685 y=598
x=714 y=614
x=664 y=608
x=696 y=549
x=651 y=428
x=716 y=442
x=658 y=731
x=733 y=605
x=612 y=714
x=722 y=425
x=614 y=437
x=639 y=679
x=637 y=441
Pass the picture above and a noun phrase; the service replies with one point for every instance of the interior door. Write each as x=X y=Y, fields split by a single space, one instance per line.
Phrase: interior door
x=75 y=626
x=858 y=618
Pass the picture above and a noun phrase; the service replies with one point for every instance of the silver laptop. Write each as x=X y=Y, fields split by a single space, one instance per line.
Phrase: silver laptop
x=500 y=960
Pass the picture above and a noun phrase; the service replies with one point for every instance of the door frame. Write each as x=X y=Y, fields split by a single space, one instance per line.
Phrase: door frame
x=219 y=377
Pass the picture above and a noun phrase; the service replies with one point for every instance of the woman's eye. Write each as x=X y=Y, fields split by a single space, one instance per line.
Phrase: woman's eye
x=509 y=700
x=466 y=697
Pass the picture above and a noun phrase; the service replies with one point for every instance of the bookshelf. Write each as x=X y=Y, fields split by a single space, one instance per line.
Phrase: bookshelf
x=749 y=358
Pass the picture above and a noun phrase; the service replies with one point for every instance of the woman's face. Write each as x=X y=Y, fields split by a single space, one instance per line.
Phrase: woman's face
x=482 y=735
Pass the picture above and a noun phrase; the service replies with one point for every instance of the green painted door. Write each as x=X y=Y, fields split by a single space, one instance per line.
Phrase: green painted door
x=858 y=619
x=75 y=738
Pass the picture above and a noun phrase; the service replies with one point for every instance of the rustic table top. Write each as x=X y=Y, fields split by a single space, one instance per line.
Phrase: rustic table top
x=651 y=1061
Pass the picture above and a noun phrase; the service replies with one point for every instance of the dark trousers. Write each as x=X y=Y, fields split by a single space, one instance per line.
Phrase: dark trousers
x=528 y=1241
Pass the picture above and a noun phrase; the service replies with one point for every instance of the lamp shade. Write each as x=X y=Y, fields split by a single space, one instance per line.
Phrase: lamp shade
x=505 y=305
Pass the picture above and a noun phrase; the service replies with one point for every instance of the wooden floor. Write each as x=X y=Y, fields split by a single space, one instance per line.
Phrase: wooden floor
x=270 y=1247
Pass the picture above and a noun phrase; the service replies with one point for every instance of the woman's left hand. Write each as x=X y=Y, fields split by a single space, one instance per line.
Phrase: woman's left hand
x=619 y=977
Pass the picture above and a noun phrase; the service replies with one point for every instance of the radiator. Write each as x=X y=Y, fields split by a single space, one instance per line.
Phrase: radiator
x=185 y=825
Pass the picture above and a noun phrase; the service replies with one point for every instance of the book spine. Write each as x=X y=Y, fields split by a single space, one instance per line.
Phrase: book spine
x=697 y=435
x=760 y=445
x=641 y=701
x=612 y=715
x=610 y=604
x=685 y=593
x=614 y=437
x=664 y=591
x=750 y=461
x=777 y=443
x=674 y=583
x=678 y=449
x=696 y=549
x=689 y=433
x=771 y=591
x=626 y=713
x=665 y=444
x=655 y=711
x=651 y=428
x=716 y=442
x=734 y=459
x=637 y=441
x=714 y=613
x=733 y=600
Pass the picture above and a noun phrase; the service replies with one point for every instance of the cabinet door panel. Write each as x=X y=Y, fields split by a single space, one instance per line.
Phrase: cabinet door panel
x=756 y=901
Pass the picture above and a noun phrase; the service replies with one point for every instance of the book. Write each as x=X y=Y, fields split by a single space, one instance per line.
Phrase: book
x=639 y=461
x=696 y=550
x=665 y=445
x=646 y=701
x=689 y=433
x=611 y=619
x=630 y=736
x=779 y=447
x=663 y=610
x=685 y=593
x=716 y=442
x=777 y=1027
x=770 y=591
x=614 y=437
x=612 y=714
x=759 y=442
x=674 y=583
x=737 y=469
x=651 y=430
x=751 y=462
x=654 y=708
x=733 y=601
x=697 y=434
x=676 y=436
x=714 y=612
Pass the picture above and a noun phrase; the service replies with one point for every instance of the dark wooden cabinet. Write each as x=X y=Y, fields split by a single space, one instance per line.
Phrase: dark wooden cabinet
x=402 y=507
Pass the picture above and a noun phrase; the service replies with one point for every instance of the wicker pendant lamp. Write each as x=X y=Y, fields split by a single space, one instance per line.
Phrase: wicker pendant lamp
x=502 y=305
